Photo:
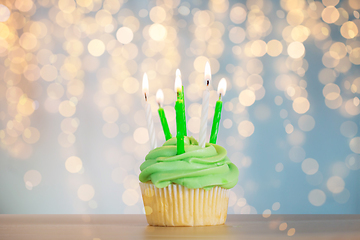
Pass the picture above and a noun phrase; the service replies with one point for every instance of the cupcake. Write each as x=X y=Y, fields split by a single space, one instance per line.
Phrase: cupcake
x=189 y=189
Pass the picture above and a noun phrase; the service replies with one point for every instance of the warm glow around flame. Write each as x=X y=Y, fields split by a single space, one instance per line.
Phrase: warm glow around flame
x=178 y=73
x=145 y=86
x=222 y=87
x=178 y=83
x=160 y=97
x=207 y=74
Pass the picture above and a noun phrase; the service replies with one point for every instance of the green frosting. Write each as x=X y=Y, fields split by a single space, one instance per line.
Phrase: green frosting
x=196 y=168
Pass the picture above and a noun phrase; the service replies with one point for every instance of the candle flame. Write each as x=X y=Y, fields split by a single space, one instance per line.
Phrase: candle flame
x=207 y=74
x=178 y=73
x=145 y=86
x=159 y=97
x=222 y=87
x=178 y=83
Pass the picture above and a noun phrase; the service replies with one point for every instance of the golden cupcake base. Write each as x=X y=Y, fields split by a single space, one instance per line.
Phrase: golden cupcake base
x=176 y=205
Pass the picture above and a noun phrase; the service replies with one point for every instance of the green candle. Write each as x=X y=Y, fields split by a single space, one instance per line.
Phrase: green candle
x=179 y=126
x=184 y=117
x=164 y=123
x=179 y=108
x=217 y=114
x=216 y=122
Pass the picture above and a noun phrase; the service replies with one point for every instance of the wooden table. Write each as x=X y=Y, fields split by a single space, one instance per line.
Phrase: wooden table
x=109 y=227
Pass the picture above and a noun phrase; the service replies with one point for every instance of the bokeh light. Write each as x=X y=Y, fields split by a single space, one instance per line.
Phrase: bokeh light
x=70 y=95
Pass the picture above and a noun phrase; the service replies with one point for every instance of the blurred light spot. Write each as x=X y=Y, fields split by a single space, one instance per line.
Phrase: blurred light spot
x=291 y=232
x=296 y=49
x=247 y=97
x=283 y=226
x=48 y=73
x=330 y=14
x=317 y=197
x=183 y=10
x=193 y=124
x=289 y=128
x=279 y=167
x=86 y=192
x=278 y=100
x=157 y=32
x=241 y=202
x=157 y=14
x=310 y=166
x=306 y=123
x=73 y=164
x=246 y=162
x=352 y=161
x=130 y=197
x=246 y=128
x=274 y=48
x=67 y=108
x=301 y=105
x=295 y=17
x=237 y=14
x=348 y=129
x=4 y=13
x=297 y=154
x=32 y=178
x=338 y=50
x=349 y=30
x=141 y=135
x=283 y=113
x=227 y=123
x=354 y=56
x=96 y=47
x=354 y=4
x=335 y=184
x=199 y=63
x=25 y=106
x=331 y=91
x=124 y=35
x=276 y=206
x=31 y=135
x=266 y=213
x=258 y=48
x=148 y=210
x=237 y=35
x=28 y=41
x=355 y=145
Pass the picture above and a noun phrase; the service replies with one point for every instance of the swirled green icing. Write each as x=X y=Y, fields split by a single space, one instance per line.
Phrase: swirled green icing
x=196 y=168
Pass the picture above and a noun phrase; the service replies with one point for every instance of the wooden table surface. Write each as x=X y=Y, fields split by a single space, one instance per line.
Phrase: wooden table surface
x=109 y=227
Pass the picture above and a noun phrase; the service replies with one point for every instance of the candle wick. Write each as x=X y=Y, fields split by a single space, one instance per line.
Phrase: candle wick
x=219 y=96
x=145 y=97
x=207 y=82
x=159 y=104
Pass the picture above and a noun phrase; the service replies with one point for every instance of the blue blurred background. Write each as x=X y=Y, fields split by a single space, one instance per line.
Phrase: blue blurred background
x=72 y=121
